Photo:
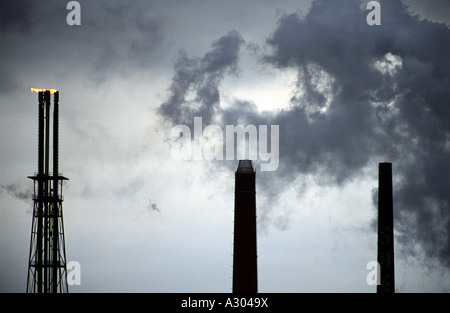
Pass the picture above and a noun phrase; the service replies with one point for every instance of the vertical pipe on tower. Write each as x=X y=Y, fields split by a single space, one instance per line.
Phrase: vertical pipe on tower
x=55 y=133
x=46 y=189
x=47 y=130
x=245 y=279
x=40 y=175
x=385 y=230
x=55 y=243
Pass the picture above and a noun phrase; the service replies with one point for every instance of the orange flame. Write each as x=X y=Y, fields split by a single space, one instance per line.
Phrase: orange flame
x=40 y=89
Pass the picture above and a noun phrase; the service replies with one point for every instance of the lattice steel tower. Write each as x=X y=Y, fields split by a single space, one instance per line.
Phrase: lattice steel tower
x=47 y=271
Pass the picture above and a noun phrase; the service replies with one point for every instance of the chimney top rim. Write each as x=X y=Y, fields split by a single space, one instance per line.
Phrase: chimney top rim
x=245 y=166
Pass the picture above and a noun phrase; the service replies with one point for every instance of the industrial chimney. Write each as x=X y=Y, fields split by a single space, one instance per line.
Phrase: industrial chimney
x=245 y=278
x=385 y=230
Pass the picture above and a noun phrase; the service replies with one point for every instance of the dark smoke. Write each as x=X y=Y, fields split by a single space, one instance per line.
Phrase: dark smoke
x=364 y=94
x=201 y=77
x=15 y=191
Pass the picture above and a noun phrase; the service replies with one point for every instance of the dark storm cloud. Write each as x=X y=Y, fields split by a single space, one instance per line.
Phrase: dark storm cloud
x=114 y=38
x=15 y=15
x=434 y=10
x=365 y=94
x=126 y=37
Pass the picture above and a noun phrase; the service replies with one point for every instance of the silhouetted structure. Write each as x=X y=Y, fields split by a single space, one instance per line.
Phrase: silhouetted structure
x=385 y=230
x=245 y=276
x=47 y=271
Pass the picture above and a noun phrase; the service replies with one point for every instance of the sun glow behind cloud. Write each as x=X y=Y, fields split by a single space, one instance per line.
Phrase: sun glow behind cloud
x=268 y=90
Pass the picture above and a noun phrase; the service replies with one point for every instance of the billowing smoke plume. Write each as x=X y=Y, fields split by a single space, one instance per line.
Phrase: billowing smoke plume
x=387 y=96
x=363 y=94
x=195 y=86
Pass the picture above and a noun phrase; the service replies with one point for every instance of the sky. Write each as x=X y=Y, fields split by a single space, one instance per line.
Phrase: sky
x=345 y=95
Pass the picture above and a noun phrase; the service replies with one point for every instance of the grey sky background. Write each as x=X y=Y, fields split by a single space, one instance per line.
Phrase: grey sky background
x=346 y=96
